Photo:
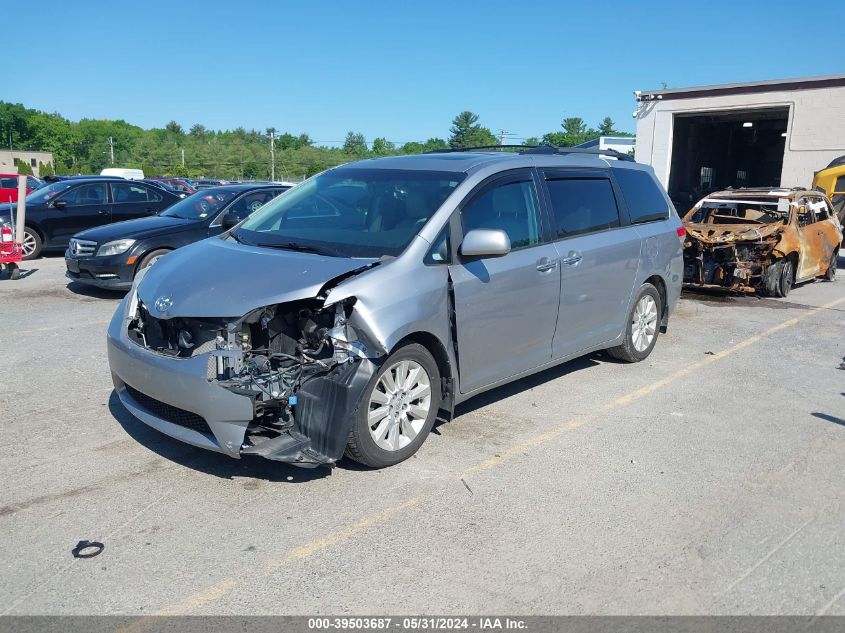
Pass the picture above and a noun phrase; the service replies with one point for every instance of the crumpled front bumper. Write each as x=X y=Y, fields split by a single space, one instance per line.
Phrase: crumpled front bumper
x=176 y=396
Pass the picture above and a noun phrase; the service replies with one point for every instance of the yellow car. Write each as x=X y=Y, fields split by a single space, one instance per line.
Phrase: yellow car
x=831 y=180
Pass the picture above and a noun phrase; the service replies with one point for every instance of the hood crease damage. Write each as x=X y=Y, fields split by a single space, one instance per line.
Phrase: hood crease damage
x=302 y=363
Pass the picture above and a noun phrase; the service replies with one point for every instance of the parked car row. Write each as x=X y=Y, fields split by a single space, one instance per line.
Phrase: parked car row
x=57 y=211
x=66 y=205
x=109 y=256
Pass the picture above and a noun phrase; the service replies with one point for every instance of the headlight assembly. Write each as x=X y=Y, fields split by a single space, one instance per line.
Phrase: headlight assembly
x=114 y=248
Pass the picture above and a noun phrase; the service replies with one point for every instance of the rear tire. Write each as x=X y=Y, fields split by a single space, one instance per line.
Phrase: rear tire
x=642 y=328
x=390 y=426
x=32 y=244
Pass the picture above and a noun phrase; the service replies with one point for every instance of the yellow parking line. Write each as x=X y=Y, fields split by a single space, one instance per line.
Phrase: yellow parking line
x=217 y=591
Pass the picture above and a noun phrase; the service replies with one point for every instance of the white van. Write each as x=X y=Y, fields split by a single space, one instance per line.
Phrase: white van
x=121 y=172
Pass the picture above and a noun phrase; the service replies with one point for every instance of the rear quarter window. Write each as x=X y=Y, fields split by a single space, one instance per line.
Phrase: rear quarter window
x=646 y=203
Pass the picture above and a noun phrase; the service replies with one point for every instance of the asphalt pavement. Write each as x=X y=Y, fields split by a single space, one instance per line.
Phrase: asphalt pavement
x=707 y=479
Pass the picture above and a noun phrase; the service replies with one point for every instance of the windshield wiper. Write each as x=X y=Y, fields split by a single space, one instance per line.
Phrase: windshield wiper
x=302 y=248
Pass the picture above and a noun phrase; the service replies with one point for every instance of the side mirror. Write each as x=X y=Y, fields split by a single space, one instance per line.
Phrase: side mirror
x=60 y=204
x=229 y=219
x=485 y=243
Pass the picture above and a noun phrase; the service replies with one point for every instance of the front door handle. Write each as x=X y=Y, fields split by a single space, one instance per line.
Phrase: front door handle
x=572 y=259
x=544 y=264
x=103 y=212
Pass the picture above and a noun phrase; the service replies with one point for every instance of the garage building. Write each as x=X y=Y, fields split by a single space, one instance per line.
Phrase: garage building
x=760 y=134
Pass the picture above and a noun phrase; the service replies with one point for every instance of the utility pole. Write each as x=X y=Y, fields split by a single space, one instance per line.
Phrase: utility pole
x=502 y=133
x=111 y=149
x=183 y=157
x=272 y=155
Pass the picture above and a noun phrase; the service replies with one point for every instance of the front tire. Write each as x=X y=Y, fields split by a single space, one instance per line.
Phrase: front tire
x=787 y=278
x=779 y=278
x=151 y=258
x=398 y=410
x=643 y=326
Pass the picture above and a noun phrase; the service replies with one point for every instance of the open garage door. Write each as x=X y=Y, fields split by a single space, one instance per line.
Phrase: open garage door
x=717 y=150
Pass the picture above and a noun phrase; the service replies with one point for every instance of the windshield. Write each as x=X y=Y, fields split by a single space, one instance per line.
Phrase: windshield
x=718 y=211
x=45 y=194
x=200 y=205
x=351 y=212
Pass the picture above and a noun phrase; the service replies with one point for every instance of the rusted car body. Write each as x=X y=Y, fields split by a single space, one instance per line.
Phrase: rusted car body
x=760 y=240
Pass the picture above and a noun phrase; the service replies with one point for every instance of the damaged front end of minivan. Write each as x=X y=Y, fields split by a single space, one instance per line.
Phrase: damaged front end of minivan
x=302 y=364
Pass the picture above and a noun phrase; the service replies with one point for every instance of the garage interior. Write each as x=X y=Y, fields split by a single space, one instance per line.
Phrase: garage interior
x=716 y=150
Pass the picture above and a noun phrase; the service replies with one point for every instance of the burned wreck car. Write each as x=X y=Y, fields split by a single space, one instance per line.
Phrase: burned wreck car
x=350 y=312
x=760 y=240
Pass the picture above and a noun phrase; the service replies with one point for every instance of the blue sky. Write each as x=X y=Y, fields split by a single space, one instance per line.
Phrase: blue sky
x=397 y=69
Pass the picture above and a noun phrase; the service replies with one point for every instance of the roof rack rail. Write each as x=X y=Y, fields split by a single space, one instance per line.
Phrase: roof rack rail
x=450 y=150
x=541 y=149
x=593 y=151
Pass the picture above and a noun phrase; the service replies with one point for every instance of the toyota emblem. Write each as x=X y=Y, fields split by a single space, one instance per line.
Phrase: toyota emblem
x=163 y=303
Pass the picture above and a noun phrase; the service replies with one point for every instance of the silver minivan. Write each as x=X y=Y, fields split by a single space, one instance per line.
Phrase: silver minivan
x=350 y=312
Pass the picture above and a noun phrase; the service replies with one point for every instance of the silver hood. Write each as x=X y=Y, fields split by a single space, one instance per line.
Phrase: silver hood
x=221 y=278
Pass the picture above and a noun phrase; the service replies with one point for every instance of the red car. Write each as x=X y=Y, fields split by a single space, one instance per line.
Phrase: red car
x=9 y=187
x=179 y=184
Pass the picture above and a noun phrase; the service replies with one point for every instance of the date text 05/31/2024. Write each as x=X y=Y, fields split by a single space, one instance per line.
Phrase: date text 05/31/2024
x=430 y=623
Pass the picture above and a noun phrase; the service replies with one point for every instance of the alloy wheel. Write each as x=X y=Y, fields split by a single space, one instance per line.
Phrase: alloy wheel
x=28 y=244
x=399 y=405
x=644 y=323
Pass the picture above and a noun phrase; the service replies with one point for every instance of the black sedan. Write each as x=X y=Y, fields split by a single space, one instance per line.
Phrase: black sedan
x=110 y=256
x=57 y=211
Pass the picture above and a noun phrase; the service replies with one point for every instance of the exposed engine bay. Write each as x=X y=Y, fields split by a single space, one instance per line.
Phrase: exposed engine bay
x=733 y=243
x=268 y=355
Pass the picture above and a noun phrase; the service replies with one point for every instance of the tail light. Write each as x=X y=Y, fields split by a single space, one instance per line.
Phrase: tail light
x=682 y=232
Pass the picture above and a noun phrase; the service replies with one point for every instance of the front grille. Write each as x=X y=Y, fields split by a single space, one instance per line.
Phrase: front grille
x=163 y=335
x=170 y=413
x=81 y=248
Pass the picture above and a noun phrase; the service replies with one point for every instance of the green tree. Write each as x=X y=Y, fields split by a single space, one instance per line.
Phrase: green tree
x=574 y=126
x=198 y=131
x=23 y=167
x=533 y=141
x=466 y=132
x=382 y=147
x=575 y=132
x=355 y=144
x=434 y=143
x=174 y=128
x=45 y=170
x=606 y=127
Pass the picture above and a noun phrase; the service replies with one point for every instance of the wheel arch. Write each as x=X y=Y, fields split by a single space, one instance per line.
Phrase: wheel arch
x=147 y=251
x=658 y=282
x=37 y=229
x=438 y=351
